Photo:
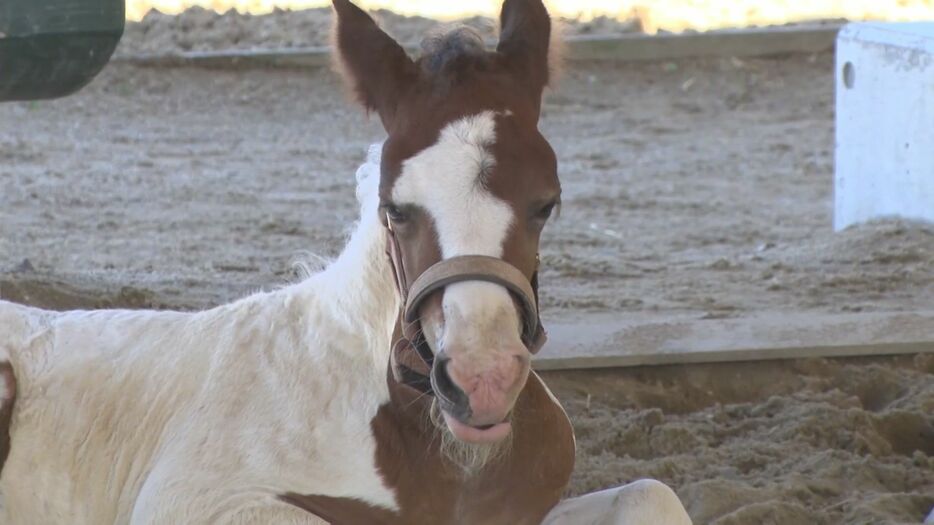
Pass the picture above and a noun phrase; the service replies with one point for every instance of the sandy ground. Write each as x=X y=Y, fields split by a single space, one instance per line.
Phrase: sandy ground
x=797 y=442
x=692 y=187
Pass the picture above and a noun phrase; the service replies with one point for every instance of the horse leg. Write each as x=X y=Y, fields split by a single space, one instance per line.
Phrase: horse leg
x=170 y=497
x=277 y=513
x=271 y=512
x=642 y=502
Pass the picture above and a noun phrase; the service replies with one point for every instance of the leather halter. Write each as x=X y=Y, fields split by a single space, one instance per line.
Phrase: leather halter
x=408 y=334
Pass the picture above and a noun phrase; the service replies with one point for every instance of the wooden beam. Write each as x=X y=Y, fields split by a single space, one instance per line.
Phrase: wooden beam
x=634 y=47
x=613 y=341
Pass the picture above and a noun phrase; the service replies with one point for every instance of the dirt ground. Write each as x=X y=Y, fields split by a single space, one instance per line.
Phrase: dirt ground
x=817 y=442
x=690 y=187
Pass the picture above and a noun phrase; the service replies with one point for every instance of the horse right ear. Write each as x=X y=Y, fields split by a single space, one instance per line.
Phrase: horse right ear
x=524 y=43
x=374 y=66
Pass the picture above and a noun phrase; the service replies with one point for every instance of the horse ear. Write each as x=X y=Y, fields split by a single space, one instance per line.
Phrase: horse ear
x=525 y=37
x=374 y=66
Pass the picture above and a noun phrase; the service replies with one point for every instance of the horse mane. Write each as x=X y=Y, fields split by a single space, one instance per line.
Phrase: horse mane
x=452 y=50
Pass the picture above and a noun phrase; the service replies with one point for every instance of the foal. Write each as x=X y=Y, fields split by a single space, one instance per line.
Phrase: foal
x=393 y=387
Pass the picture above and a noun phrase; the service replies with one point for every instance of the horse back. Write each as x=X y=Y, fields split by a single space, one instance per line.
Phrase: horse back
x=94 y=392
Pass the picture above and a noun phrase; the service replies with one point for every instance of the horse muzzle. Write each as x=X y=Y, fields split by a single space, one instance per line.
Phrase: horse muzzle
x=475 y=407
x=476 y=387
x=475 y=398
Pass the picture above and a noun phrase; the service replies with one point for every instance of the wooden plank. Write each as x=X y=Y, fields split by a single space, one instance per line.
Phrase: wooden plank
x=725 y=43
x=612 y=341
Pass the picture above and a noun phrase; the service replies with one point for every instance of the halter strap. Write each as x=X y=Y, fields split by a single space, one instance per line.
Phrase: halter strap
x=437 y=276
x=476 y=268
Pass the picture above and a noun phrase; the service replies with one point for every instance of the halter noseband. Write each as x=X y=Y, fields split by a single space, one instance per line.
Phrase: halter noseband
x=437 y=276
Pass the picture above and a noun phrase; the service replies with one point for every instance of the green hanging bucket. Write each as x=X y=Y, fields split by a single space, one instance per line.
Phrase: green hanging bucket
x=52 y=48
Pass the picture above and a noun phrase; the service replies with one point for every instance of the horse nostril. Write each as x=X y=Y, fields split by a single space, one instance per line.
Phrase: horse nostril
x=453 y=400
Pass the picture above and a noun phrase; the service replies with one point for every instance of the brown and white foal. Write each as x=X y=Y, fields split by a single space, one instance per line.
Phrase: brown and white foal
x=393 y=387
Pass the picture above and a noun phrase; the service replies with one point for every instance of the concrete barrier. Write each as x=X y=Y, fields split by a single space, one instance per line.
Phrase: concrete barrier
x=884 y=122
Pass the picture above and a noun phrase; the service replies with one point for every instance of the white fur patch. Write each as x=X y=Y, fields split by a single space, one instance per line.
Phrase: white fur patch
x=206 y=417
x=638 y=503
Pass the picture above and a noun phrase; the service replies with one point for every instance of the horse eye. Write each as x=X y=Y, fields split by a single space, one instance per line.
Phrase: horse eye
x=395 y=213
x=545 y=212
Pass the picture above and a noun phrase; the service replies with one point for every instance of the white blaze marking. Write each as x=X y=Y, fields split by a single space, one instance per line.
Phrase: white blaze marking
x=445 y=179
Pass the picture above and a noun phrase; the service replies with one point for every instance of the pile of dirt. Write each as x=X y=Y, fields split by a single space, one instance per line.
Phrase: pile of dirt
x=198 y=29
x=813 y=441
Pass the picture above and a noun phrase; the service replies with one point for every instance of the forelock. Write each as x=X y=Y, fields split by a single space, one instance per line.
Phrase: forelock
x=452 y=49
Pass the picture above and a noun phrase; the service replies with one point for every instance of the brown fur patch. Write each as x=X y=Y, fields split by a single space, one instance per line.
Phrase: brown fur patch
x=6 y=410
x=373 y=65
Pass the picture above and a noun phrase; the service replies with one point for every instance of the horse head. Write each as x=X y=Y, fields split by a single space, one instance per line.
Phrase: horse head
x=467 y=183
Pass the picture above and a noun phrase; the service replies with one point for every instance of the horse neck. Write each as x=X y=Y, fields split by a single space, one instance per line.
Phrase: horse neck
x=356 y=293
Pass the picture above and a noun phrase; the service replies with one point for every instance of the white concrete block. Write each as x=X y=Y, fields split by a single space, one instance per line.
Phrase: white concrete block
x=884 y=122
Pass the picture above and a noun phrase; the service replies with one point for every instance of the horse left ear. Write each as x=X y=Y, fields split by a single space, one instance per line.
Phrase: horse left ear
x=525 y=38
x=374 y=65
